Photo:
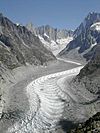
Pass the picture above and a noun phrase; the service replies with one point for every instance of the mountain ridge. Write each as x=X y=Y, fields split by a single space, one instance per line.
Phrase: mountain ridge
x=53 y=39
x=20 y=45
x=85 y=38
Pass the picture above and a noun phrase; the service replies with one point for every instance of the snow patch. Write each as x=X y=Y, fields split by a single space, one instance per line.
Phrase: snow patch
x=96 y=26
x=78 y=48
x=17 y=24
x=46 y=44
x=42 y=40
x=64 y=40
x=49 y=45
x=46 y=35
x=53 y=43
x=93 y=45
x=55 y=46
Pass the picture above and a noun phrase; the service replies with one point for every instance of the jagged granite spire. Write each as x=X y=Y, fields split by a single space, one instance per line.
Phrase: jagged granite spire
x=91 y=18
x=86 y=36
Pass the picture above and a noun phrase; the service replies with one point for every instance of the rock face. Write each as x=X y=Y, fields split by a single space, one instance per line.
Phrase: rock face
x=89 y=79
x=86 y=36
x=91 y=125
x=19 y=46
x=53 y=33
x=52 y=38
x=89 y=76
x=47 y=31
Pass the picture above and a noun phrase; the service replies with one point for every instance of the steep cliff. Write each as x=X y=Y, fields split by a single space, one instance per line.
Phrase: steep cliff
x=18 y=46
x=86 y=37
x=53 y=39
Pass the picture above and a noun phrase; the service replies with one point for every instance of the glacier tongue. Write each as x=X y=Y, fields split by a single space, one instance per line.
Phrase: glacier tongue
x=48 y=100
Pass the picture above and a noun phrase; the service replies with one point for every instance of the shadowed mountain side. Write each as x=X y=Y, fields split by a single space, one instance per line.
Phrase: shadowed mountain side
x=67 y=125
x=89 y=76
x=19 y=46
x=92 y=125
x=88 y=80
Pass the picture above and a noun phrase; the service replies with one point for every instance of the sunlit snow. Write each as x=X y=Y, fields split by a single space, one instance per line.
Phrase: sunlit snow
x=96 y=26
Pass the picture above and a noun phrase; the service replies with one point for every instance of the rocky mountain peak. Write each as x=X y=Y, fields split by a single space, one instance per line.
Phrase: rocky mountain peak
x=92 y=18
x=31 y=27
x=53 y=39
x=86 y=37
x=51 y=32
x=88 y=21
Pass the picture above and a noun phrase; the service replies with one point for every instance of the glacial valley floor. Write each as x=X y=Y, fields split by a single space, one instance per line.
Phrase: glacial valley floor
x=40 y=99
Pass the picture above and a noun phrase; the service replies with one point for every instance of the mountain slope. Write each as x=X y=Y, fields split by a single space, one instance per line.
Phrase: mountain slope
x=19 y=46
x=89 y=76
x=89 y=79
x=86 y=36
